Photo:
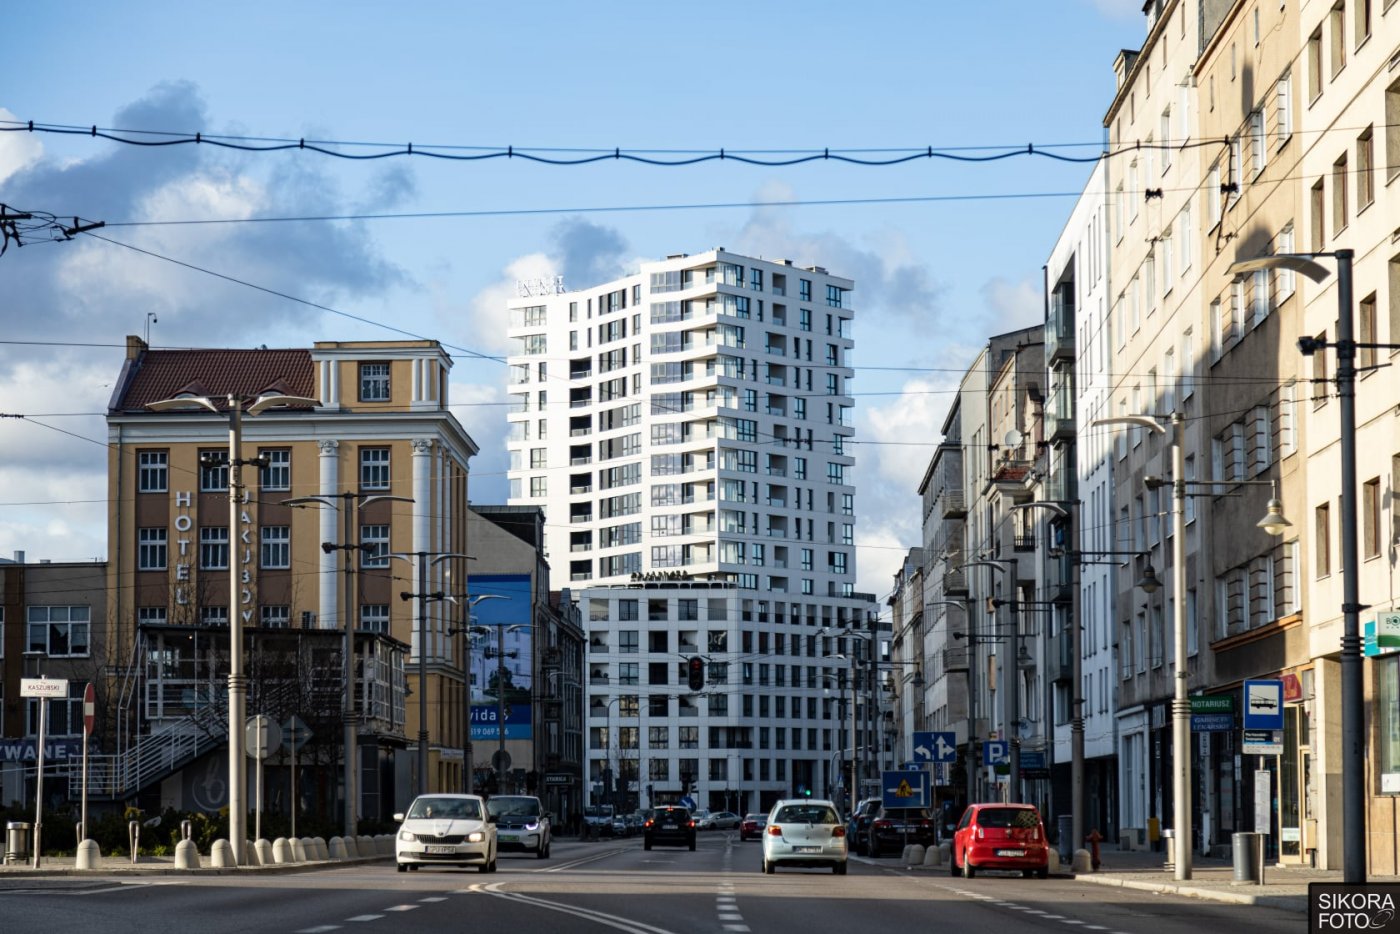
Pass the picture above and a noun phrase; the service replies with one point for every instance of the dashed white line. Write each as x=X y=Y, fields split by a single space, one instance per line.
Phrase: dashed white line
x=401 y=908
x=736 y=927
x=433 y=898
x=321 y=929
x=365 y=918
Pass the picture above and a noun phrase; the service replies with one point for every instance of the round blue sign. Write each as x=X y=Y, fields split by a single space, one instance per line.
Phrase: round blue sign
x=688 y=802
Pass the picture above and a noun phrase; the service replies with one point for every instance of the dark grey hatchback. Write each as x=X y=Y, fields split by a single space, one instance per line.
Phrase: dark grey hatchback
x=669 y=825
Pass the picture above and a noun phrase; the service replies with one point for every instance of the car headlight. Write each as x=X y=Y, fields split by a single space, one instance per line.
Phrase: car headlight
x=532 y=826
x=476 y=837
x=407 y=836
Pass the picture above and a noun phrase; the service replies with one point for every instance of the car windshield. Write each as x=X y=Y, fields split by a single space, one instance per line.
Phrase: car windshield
x=806 y=814
x=445 y=808
x=513 y=807
x=1007 y=817
x=672 y=813
x=907 y=813
x=597 y=810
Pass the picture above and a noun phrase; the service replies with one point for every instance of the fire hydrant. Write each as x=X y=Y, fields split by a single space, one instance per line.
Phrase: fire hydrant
x=1094 y=838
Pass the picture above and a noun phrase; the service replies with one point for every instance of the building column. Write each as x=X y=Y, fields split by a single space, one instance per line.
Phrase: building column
x=422 y=522
x=329 y=580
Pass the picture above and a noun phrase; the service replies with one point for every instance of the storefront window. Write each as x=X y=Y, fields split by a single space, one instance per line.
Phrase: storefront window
x=1388 y=723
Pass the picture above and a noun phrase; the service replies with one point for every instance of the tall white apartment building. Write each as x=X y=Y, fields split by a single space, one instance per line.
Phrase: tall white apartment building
x=685 y=429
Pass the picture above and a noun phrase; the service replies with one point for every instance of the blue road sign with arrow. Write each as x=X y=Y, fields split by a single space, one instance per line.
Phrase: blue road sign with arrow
x=904 y=789
x=935 y=747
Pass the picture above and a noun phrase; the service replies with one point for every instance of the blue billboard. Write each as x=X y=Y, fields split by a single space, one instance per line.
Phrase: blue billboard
x=502 y=657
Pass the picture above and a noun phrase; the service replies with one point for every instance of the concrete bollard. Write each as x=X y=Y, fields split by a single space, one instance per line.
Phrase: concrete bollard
x=933 y=856
x=914 y=854
x=250 y=854
x=298 y=850
x=323 y=852
x=1052 y=861
x=383 y=845
x=264 y=850
x=352 y=849
x=1083 y=862
x=337 y=847
x=89 y=855
x=364 y=844
x=186 y=855
x=281 y=851
x=221 y=854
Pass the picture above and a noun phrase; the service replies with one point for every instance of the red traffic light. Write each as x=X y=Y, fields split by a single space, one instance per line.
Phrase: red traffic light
x=696 y=670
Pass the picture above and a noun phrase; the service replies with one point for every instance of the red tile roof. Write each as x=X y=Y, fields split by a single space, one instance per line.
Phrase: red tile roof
x=164 y=374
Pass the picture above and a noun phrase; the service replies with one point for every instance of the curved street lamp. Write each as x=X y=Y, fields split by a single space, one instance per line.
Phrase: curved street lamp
x=237 y=682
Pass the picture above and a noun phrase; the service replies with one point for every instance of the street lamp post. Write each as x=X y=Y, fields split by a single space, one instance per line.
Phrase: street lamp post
x=1353 y=703
x=423 y=559
x=842 y=684
x=1010 y=676
x=971 y=701
x=467 y=760
x=237 y=681
x=349 y=500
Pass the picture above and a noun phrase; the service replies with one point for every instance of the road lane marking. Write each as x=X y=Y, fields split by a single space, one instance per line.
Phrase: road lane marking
x=365 y=918
x=433 y=898
x=613 y=921
x=736 y=927
x=401 y=908
x=320 y=929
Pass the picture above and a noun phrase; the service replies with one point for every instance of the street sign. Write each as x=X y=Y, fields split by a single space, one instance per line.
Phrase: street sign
x=558 y=779
x=1212 y=722
x=89 y=709
x=1263 y=794
x=688 y=803
x=904 y=789
x=1261 y=743
x=1212 y=703
x=932 y=746
x=1380 y=636
x=1033 y=764
x=262 y=736
x=996 y=752
x=48 y=688
x=500 y=760
x=1263 y=705
x=297 y=732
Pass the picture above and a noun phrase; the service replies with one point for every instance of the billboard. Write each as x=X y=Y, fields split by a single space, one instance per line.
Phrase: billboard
x=502 y=659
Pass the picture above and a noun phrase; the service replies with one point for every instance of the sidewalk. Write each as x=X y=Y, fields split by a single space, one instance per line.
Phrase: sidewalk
x=1285 y=888
x=120 y=864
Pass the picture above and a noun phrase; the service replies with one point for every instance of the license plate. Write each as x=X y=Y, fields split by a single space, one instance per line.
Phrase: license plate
x=806 y=849
x=439 y=849
x=510 y=837
x=1011 y=852
x=669 y=826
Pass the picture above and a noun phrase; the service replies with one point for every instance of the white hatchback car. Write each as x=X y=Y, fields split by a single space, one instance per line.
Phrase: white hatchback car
x=446 y=830
x=804 y=832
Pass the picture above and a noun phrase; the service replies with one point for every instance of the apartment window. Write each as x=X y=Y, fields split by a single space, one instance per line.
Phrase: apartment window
x=374 y=468
x=59 y=631
x=1365 y=169
x=538 y=486
x=1315 y=64
x=1236 y=170
x=1284 y=281
x=65 y=713
x=213 y=616
x=1322 y=530
x=213 y=548
x=374 y=382
x=1315 y=204
x=277 y=475
x=1393 y=279
x=835 y=473
x=1339 y=195
x=213 y=472
x=1166 y=129
x=1337 y=46
x=1366 y=328
x=374 y=617
x=1371 y=518
x=1258 y=150
x=1283 y=113
x=151 y=471
x=1213 y=195
x=276 y=546
x=276 y=617
x=374 y=546
x=1361 y=26
x=1392 y=130
x=150 y=549
x=1187 y=236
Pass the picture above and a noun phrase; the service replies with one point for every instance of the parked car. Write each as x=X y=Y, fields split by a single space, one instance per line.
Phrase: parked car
x=598 y=820
x=892 y=828
x=751 y=827
x=521 y=824
x=445 y=830
x=858 y=824
x=700 y=815
x=669 y=824
x=720 y=820
x=804 y=832
x=1000 y=836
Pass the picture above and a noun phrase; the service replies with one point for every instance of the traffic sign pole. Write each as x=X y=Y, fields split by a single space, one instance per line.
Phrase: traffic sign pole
x=89 y=715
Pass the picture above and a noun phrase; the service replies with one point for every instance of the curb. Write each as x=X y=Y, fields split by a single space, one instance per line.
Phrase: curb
x=126 y=869
x=1294 y=903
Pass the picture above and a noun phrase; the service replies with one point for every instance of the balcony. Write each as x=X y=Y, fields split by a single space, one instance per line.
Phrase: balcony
x=1023 y=541
x=954 y=582
x=1059 y=412
x=954 y=504
x=581 y=517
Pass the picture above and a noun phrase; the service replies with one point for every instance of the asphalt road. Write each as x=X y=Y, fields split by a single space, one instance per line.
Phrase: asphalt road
x=614 y=886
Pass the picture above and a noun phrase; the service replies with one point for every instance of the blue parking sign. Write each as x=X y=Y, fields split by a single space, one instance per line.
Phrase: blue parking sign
x=996 y=752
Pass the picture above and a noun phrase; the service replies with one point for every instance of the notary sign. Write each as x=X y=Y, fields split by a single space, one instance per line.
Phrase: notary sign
x=43 y=687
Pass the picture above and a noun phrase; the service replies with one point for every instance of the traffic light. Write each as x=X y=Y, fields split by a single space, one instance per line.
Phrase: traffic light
x=697 y=673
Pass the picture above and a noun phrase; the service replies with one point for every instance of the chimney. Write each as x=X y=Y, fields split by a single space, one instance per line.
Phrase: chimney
x=19 y=557
x=135 y=346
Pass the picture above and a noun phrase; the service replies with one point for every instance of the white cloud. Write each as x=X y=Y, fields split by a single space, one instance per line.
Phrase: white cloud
x=17 y=150
x=1118 y=9
x=1013 y=305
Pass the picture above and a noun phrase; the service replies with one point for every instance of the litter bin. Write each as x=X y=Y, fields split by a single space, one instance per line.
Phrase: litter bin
x=1248 y=857
x=17 y=841
x=1065 y=827
x=1169 y=844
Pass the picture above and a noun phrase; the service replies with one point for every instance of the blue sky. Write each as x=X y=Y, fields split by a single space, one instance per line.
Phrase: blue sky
x=933 y=278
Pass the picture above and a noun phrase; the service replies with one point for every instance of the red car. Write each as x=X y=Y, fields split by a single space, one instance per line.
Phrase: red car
x=751 y=827
x=1000 y=836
